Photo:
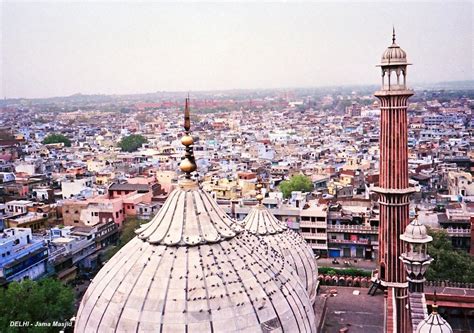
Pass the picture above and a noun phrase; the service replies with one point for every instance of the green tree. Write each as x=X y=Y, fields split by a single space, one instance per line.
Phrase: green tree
x=57 y=138
x=44 y=301
x=132 y=142
x=449 y=264
x=296 y=183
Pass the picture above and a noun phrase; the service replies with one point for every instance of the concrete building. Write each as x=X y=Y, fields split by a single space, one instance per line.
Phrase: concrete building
x=313 y=227
x=460 y=183
x=73 y=187
x=22 y=256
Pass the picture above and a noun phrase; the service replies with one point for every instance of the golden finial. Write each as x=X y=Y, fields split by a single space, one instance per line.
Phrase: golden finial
x=434 y=307
x=188 y=163
x=259 y=195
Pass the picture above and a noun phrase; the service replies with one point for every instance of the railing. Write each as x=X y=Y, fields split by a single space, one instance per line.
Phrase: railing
x=29 y=218
x=33 y=246
x=458 y=232
x=347 y=241
x=19 y=252
x=318 y=246
x=314 y=235
x=54 y=254
x=352 y=228
x=457 y=215
x=313 y=224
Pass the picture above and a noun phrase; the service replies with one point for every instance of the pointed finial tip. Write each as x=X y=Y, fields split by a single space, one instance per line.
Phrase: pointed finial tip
x=187 y=121
x=259 y=187
x=434 y=306
x=188 y=163
x=393 y=34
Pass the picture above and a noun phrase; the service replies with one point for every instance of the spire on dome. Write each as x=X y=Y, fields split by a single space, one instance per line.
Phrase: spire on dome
x=187 y=121
x=434 y=322
x=434 y=307
x=259 y=195
x=188 y=163
x=393 y=35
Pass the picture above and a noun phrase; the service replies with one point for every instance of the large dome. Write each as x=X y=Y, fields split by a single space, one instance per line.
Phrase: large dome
x=287 y=242
x=193 y=269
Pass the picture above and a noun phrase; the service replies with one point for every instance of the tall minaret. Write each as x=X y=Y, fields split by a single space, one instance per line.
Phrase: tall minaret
x=393 y=189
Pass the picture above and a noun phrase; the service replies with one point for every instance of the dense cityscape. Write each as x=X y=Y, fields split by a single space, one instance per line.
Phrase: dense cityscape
x=320 y=207
x=67 y=203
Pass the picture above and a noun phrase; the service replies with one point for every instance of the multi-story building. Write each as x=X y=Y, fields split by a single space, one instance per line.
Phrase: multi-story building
x=73 y=187
x=313 y=228
x=71 y=248
x=22 y=256
x=350 y=232
x=460 y=183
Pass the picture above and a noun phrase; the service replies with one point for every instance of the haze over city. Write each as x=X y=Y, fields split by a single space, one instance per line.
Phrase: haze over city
x=57 y=49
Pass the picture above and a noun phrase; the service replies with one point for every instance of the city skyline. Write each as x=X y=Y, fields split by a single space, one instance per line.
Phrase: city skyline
x=136 y=48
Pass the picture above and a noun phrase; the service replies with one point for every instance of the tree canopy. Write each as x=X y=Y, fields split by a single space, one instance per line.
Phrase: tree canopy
x=44 y=301
x=132 y=142
x=296 y=183
x=57 y=138
x=449 y=264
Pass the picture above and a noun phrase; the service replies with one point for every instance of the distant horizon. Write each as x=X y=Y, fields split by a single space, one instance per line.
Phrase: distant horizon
x=362 y=85
x=50 y=49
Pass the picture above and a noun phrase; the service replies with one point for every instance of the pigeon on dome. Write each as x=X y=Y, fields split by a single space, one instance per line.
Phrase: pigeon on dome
x=261 y=222
x=194 y=269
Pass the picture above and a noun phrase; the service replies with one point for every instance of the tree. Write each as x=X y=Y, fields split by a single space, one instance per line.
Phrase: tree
x=449 y=264
x=296 y=183
x=57 y=138
x=44 y=301
x=132 y=142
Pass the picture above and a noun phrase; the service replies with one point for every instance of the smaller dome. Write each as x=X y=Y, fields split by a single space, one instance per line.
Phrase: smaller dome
x=416 y=233
x=394 y=54
x=434 y=323
x=288 y=243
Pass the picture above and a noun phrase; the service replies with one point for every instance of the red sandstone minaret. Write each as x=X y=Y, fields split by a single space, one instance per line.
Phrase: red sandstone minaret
x=393 y=189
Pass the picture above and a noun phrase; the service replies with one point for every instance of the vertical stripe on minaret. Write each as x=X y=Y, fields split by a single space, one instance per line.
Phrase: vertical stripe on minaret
x=394 y=190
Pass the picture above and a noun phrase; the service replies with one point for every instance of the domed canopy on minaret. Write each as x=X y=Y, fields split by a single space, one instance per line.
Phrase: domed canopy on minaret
x=416 y=233
x=288 y=243
x=394 y=54
x=394 y=65
x=192 y=269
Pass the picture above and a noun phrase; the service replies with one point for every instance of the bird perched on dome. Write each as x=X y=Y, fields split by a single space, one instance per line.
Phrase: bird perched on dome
x=191 y=268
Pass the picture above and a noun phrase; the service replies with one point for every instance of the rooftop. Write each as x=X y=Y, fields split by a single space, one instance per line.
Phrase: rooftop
x=360 y=313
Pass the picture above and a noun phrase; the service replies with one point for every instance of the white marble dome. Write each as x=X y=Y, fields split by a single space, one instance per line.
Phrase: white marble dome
x=434 y=323
x=288 y=243
x=192 y=269
x=416 y=233
x=394 y=55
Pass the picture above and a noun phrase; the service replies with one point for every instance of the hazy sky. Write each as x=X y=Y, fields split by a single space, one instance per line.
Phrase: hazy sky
x=59 y=48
